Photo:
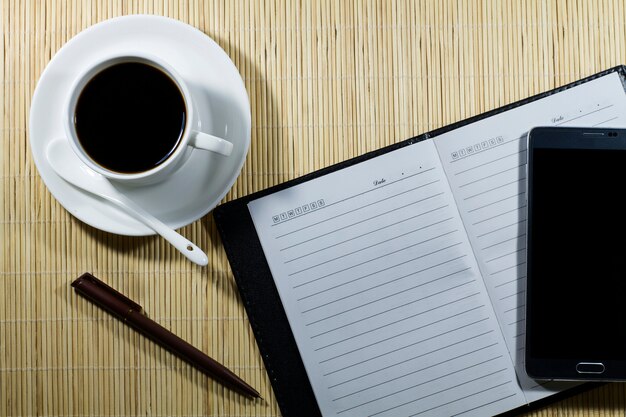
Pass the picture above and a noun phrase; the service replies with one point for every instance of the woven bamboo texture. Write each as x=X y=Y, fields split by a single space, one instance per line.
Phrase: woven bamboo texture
x=327 y=80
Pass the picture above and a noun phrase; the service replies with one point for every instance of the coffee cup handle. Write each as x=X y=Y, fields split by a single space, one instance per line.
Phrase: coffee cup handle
x=212 y=143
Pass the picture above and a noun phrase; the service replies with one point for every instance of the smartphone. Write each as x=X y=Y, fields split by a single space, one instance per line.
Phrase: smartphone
x=576 y=248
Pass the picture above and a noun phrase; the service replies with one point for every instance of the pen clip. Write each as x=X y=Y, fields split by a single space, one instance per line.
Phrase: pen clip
x=108 y=298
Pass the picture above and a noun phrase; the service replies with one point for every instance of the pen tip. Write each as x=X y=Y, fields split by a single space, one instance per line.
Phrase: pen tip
x=254 y=393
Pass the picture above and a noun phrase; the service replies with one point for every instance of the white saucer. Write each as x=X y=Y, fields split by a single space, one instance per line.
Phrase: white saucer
x=220 y=97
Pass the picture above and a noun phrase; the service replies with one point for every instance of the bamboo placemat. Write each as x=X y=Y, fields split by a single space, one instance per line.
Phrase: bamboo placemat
x=327 y=80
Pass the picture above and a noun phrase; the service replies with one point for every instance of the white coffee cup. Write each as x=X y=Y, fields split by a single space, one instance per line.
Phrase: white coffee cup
x=192 y=136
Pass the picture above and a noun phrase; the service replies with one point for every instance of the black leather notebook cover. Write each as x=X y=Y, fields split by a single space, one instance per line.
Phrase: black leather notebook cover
x=259 y=294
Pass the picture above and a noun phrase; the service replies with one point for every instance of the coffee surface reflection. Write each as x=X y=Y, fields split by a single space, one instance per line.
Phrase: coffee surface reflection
x=130 y=117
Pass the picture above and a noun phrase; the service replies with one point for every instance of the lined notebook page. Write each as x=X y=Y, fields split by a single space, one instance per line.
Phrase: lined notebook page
x=486 y=166
x=383 y=293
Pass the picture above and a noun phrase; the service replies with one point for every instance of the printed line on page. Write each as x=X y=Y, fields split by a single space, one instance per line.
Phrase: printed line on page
x=516 y=279
x=516 y=153
x=507 y=268
x=396 y=307
x=516 y=322
x=419 y=314
x=407 y=346
x=382 y=200
x=500 y=228
x=506 y=254
x=495 y=174
x=490 y=148
x=448 y=389
x=364 y=192
x=399 y=334
x=362 y=221
x=584 y=115
x=464 y=326
x=512 y=295
x=471 y=395
x=606 y=121
x=515 y=308
x=505 y=240
x=426 y=396
x=496 y=202
x=484 y=404
x=499 y=214
x=416 y=371
x=368 y=233
x=380 y=243
x=494 y=188
x=395 y=322
x=429 y=381
x=368 y=275
x=382 y=285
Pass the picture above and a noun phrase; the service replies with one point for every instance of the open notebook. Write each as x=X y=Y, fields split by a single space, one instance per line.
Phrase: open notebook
x=403 y=276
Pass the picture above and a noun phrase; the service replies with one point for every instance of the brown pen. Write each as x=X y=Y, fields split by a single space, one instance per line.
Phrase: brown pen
x=130 y=313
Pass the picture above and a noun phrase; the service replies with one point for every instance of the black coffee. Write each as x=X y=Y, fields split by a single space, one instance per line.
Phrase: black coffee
x=130 y=117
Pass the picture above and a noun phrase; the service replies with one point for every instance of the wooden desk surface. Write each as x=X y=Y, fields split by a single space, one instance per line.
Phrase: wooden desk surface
x=327 y=80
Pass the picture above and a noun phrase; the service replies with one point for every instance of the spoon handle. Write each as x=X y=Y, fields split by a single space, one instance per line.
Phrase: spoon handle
x=185 y=246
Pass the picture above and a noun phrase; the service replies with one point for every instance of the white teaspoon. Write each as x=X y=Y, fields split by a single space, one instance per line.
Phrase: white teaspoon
x=69 y=167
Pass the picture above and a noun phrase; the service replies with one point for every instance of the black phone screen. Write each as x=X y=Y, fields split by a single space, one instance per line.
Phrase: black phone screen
x=577 y=294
